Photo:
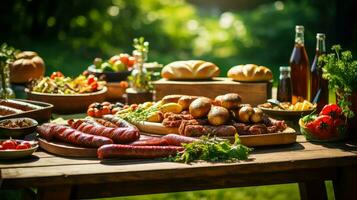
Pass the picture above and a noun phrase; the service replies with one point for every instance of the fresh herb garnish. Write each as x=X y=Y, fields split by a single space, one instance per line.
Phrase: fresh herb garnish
x=138 y=115
x=340 y=70
x=213 y=150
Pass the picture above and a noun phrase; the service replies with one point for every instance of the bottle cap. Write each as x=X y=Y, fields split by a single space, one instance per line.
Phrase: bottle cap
x=320 y=36
x=299 y=28
x=284 y=69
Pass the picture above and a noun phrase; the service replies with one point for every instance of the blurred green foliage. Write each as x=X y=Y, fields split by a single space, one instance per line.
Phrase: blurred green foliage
x=70 y=34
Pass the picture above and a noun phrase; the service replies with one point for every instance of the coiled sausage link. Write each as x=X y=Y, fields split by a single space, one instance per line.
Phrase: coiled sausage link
x=118 y=135
x=63 y=133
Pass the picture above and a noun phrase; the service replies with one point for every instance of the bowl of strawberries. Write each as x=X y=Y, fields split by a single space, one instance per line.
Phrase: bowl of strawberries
x=327 y=126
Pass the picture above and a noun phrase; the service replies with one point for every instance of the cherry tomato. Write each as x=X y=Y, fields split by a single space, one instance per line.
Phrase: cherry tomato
x=90 y=112
x=22 y=146
x=331 y=109
x=97 y=112
x=115 y=110
x=124 y=58
x=94 y=86
x=126 y=106
x=27 y=144
x=106 y=110
x=9 y=144
x=105 y=103
x=131 y=61
x=56 y=74
x=91 y=79
x=1 y=147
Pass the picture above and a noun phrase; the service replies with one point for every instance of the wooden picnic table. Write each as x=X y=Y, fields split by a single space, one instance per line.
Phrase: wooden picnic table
x=303 y=162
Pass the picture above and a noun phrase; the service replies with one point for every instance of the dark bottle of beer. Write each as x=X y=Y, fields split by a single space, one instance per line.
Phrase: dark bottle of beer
x=318 y=86
x=300 y=68
x=284 y=87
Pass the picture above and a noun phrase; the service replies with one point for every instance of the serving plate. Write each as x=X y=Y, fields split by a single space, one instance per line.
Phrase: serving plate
x=40 y=115
x=20 y=153
x=66 y=149
x=69 y=103
x=17 y=132
x=288 y=136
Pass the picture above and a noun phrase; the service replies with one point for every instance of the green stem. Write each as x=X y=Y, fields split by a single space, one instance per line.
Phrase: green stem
x=3 y=81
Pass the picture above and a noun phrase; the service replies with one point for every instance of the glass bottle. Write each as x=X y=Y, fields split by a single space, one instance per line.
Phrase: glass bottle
x=319 y=86
x=284 y=87
x=300 y=72
x=5 y=89
x=139 y=73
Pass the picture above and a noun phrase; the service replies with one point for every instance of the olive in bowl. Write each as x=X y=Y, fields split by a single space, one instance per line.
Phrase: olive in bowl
x=17 y=127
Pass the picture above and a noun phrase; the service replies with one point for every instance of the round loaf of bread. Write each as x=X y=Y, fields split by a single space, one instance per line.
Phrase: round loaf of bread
x=250 y=73
x=190 y=70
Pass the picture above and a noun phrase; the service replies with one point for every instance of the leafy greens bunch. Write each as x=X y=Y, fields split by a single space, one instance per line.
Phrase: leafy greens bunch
x=340 y=70
x=213 y=150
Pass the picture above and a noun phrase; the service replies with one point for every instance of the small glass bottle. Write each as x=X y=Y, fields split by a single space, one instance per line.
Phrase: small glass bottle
x=5 y=89
x=139 y=72
x=284 y=87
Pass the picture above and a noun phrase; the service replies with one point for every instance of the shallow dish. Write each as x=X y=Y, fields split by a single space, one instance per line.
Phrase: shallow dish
x=17 y=132
x=69 y=103
x=285 y=114
x=109 y=76
x=21 y=153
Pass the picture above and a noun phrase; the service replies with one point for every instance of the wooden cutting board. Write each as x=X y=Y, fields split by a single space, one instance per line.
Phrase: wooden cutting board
x=288 y=136
x=65 y=149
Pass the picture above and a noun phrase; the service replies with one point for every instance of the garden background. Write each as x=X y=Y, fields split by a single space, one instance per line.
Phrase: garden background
x=69 y=34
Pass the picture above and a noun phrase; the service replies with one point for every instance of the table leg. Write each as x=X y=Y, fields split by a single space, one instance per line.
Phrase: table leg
x=344 y=186
x=315 y=190
x=60 y=192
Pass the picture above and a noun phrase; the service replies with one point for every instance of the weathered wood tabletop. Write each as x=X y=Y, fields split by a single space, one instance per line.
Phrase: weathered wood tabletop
x=303 y=162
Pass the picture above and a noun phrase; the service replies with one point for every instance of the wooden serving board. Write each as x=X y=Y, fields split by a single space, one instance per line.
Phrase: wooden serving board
x=65 y=149
x=251 y=92
x=288 y=136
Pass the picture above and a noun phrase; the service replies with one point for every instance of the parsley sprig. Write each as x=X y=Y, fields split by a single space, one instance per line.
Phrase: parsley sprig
x=340 y=70
x=213 y=150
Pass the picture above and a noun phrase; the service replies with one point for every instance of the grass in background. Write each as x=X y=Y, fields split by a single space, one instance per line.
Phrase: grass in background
x=271 y=192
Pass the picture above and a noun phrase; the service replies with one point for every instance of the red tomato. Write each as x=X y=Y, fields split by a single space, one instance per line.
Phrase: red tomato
x=27 y=144
x=105 y=103
x=124 y=58
x=97 y=112
x=90 y=112
x=115 y=110
x=131 y=61
x=91 y=79
x=1 y=147
x=106 y=110
x=22 y=146
x=324 y=127
x=331 y=109
x=94 y=86
x=56 y=74
x=9 y=144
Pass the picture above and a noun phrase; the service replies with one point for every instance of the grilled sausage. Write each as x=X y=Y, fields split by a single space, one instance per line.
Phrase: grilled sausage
x=19 y=105
x=63 y=133
x=118 y=135
x=5 y=110
x=130 y=151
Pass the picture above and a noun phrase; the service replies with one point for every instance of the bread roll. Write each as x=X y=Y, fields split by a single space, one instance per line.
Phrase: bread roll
x=190 y=69
x=185 y=101
x=229 y=101
x=173 y=98
x=200 y=107
x=218 y=115
x=250 y=73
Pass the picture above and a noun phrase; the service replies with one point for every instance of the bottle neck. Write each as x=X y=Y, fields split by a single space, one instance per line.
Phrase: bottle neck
x=299 y=38
x=320 y=45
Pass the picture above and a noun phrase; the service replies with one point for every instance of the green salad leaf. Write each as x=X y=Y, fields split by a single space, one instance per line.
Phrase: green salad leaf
x=213 y=150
